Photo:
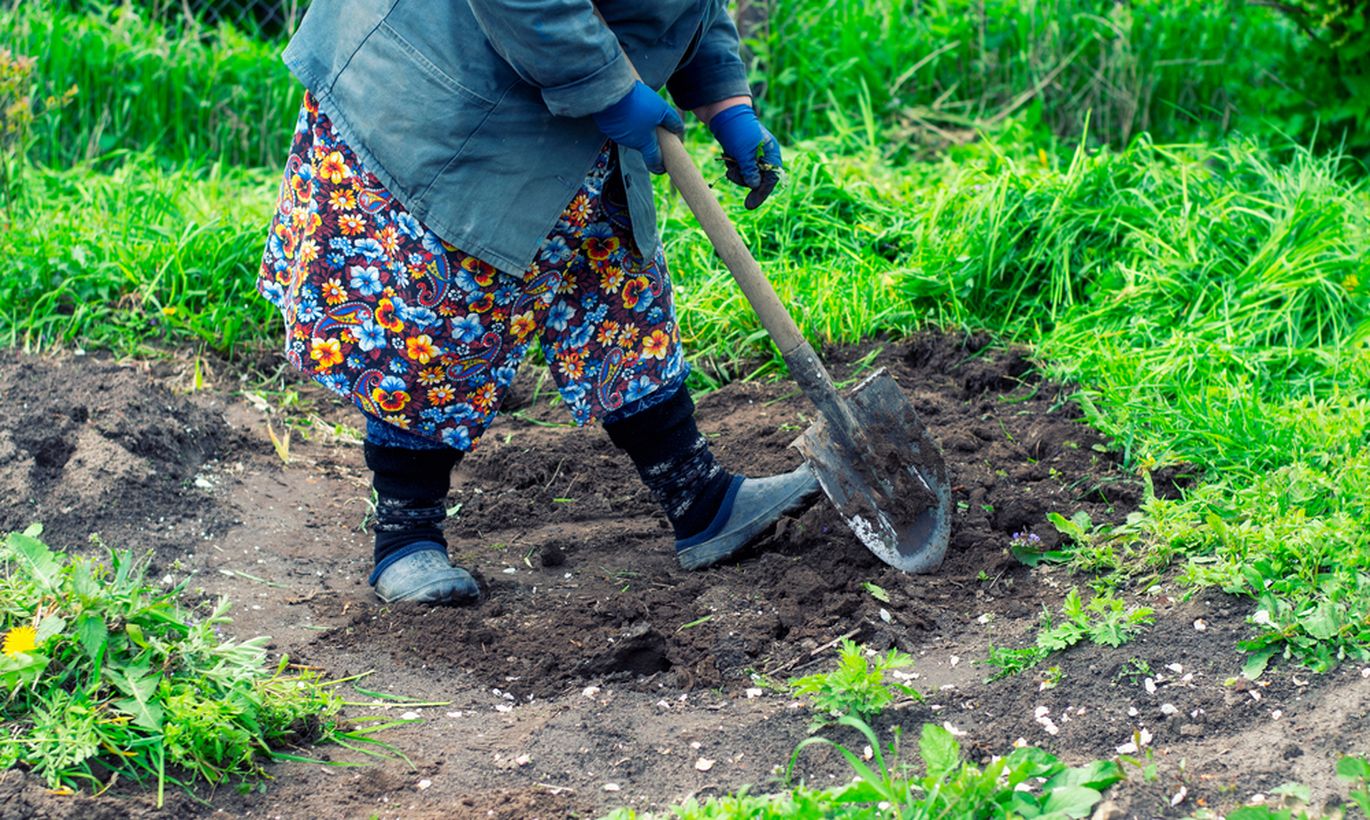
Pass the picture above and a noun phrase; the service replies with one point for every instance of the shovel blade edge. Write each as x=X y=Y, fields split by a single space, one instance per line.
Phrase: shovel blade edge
x=887 y=478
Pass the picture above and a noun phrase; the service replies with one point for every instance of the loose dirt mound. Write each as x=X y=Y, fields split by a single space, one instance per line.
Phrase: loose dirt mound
x=583 y=587
x=90 y=446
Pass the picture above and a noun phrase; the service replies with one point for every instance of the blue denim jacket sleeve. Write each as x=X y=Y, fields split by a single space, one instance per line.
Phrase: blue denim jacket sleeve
x=715 y=71
x=562 y=48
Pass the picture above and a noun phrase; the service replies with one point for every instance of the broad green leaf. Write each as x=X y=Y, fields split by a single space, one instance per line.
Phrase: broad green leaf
x=21 y=669
x=1322 y=623
x=1098 y=775
x=83 y=580
x=1256 y=664
x=940 y=751
x=35 y=560
x=1070 y=801
x=92 y=633
x=49 y=626
x=877 y=592
x=1353 y=768
x=135 y=634
x=141 y=688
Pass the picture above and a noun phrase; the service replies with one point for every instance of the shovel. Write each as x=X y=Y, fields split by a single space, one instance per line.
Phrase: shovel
x=875 y=460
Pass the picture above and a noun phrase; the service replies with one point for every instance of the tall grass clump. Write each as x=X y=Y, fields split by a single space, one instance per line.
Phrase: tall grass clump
x=188 y=91
x=1212 y=305
x=139 y=257
x=930 y=69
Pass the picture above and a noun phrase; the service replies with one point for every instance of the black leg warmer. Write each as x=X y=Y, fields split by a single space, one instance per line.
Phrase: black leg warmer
x=674 y=461
x=411 y=490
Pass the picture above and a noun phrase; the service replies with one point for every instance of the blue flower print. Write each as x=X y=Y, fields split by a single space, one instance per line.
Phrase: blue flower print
x=580 y=335
x=504 y=376
x=656 y=315
x=468 y=328
x=560 y=315
x=369 y=336
x=335 y=260
x=392 y=383
x=273 y=292
x=639 y=387
x=420 y=316
x=369 y=249
x=366 y=281
x=555 y=250
x=341 y=244
x=458 y=437
x=308 y=310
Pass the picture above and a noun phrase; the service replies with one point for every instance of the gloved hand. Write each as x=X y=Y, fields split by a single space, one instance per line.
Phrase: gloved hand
x=743 y=136
x=632 y=121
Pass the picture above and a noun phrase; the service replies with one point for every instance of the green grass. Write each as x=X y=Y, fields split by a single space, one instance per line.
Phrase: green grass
x=144 y=255
x=187 y=91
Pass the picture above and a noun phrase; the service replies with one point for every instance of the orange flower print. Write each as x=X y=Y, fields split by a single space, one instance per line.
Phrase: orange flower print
x=656 y=345
x=386 y=318
x=438 y=396
x=389 y=237
x=333 y=292
x=608 y=331
x=334 y=168
x=420 y=348
x=401 y=422
x=600 y=249
x=287 y=237
x=482 y=273
x=570 y=364
x=309 y=251
x=632 y=291
x=628 y=335
x=610 y=277
x=351 y=224
x=342 y=199
x=578 y=212
x=483 y=304
x=431 y=375
x=301 y=186
x=327 y=352
x=522 y=325
x=484 y=397
x=390 y=400
x=312 y=221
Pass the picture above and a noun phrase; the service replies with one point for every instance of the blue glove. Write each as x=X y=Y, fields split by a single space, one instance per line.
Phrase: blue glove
x=743 y=137
x=632 y=122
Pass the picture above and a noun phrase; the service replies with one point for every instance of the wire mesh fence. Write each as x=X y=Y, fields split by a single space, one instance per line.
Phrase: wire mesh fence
x=266 y=18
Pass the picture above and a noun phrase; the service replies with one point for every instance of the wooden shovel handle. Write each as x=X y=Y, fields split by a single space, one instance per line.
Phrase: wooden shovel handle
x=799 y=355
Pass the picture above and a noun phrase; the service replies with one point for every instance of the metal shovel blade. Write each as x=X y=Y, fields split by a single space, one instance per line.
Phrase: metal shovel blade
x=885 y=475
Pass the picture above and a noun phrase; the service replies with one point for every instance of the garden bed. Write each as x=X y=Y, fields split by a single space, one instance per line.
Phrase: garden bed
x=595 y=673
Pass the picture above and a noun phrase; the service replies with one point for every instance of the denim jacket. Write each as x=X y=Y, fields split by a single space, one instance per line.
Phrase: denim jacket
x=474 y=113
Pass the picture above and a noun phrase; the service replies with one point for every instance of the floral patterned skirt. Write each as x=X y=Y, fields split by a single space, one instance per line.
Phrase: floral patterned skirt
x=428 y=338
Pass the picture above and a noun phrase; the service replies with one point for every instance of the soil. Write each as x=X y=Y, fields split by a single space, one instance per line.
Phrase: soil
x=594 y=672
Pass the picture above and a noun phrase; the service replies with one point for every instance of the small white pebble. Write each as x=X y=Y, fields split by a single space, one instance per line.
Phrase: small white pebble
x=509 y=570
x=1149 y=685
x=1200 y=625
x=1365 y=673
x=1040 y=712
x=522 y=760
x=454 y=714
x=754 y=692
x=1175 y=667
x=986 y=618
x=611 y=787
x=694 y=744
x=409 y=716
x=663 y=704
x=703 y=764
x=867 y=752
x=1169 y=709
x=1020 y=743
x=885 y=615
x=955 y=660
x=1257 y=798
x=1277 y=714
x=1179 y=797
x=423 y=784
x=1254 y=695
x=590 y=691
x=952 y=730
x=1132 y=711
x=503 y=707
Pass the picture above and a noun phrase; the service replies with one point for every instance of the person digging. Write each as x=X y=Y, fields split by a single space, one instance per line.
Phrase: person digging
x=467 y=178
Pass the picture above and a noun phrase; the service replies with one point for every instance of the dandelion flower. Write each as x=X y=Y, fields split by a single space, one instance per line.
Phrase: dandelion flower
x=20 y=639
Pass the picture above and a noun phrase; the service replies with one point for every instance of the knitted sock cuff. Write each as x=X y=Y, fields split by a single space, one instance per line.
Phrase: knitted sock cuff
x=659 y=431
x=411 y=474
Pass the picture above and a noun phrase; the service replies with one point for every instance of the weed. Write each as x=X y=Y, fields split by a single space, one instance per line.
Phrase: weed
x=858 y=686
x=107 y=676
x=1105 y=620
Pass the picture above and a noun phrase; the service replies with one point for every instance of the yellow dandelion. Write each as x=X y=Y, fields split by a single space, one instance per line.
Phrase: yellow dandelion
x=20 y=639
